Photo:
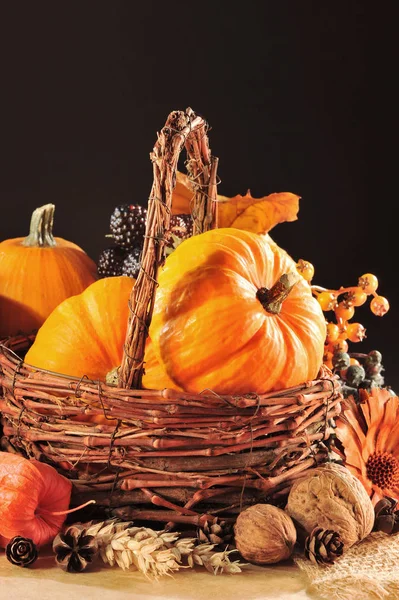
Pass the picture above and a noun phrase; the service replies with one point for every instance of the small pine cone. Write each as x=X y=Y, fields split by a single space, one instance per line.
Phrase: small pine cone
x=219 y=533
x=21 y=551
x=323 y=546
x=74 y=549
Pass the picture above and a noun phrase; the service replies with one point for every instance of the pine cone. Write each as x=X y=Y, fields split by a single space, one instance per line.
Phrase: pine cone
x=219 y=533
x=21 y=551
x=386 y=516
x=74 y=549
x=323 y=546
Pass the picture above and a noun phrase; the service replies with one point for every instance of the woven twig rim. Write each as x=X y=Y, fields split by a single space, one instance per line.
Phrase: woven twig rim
x=188 y=447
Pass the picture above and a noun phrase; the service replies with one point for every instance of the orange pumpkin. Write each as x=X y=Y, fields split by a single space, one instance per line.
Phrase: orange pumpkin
x=221 y=323
x=37 y=273
x=85 y=335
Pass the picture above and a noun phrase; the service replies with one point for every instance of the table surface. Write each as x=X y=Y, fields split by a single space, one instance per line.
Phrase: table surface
x=46 y=581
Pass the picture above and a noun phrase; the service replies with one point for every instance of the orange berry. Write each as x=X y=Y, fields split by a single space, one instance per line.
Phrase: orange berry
x=327 y=300
x=356 y=297
x=379 y=306
x=356 y=332
x=327 y=359
x=353 y=361
x=344 y=312
x=368 y=283
x=332 y=333
x=306 y=269
x=338 y=346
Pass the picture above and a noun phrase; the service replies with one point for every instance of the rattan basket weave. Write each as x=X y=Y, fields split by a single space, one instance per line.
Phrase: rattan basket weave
x=164 y=455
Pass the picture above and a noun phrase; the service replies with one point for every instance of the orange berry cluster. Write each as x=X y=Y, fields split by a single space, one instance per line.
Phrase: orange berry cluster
x=343 y=302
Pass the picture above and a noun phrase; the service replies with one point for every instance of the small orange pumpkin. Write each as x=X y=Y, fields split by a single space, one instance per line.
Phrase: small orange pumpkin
x=226 y=317
x=37 y=273
x=85 y=335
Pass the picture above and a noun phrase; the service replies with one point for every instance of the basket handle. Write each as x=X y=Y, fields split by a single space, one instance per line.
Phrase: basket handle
x=181 y=129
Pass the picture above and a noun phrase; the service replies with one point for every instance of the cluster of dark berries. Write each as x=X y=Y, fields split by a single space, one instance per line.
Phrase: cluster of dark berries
x=127 y=230
x=359 y=371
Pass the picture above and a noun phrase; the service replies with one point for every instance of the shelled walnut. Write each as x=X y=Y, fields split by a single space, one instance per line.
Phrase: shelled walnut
x=331 y=497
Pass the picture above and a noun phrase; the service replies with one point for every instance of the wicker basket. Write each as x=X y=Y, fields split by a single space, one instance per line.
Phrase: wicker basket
x=164 y=455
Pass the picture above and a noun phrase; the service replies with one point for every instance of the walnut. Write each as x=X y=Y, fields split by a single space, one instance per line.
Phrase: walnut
x=331 y=497
x=264 y=534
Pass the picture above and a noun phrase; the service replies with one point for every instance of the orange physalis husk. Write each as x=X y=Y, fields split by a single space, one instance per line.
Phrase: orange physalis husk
x=258 y=215
x=31 y=493
x=369 y=434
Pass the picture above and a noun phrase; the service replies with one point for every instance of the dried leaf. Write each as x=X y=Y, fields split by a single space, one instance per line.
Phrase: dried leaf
x=182 y=195
x=258 y=215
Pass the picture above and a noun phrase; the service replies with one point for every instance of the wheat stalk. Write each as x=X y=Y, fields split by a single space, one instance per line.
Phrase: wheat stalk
x=155 y=553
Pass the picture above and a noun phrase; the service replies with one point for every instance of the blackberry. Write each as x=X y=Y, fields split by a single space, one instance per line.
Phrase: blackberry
x=131 y=263
x=181 y=227
x=127 y=225
x=110 y=262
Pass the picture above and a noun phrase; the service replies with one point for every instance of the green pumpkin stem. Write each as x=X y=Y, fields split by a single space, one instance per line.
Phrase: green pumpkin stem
x=41 y=228
x=272 y=300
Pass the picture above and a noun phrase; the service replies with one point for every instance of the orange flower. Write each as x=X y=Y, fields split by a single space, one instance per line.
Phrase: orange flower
x=369 y=434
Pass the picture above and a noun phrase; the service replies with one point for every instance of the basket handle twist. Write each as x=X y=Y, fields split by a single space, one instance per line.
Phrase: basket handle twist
x=182 y=128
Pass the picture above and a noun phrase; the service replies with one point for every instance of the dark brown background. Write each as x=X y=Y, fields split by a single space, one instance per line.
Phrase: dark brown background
x=299 y=95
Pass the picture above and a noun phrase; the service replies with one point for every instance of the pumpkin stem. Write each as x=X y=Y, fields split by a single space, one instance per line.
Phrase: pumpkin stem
x=41 y=228
x=272 y=300
x=66 y=512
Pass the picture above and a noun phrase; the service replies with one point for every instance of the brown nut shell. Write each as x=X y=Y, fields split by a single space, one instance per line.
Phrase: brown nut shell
x=264 y=534
x=331 y=497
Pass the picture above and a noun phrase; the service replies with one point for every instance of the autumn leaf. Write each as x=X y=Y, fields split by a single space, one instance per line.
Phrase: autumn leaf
x=258 y=215
x=182 y=195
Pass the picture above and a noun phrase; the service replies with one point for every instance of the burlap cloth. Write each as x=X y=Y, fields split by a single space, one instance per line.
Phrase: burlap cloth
x=367 y=571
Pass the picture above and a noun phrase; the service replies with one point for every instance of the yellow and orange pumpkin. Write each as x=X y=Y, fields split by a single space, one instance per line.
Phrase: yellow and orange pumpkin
x=85 y=335
x=225 y=320
x=231 y=314
x=37 y=273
